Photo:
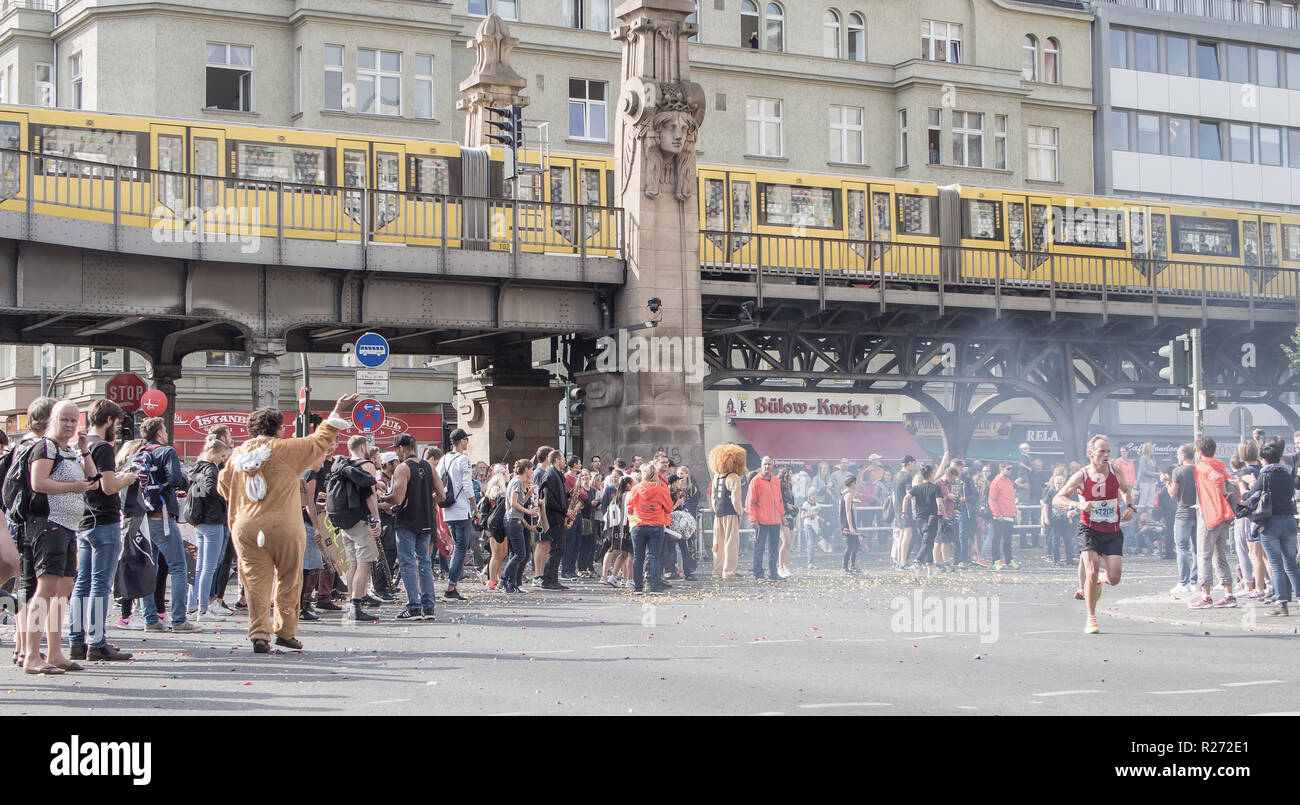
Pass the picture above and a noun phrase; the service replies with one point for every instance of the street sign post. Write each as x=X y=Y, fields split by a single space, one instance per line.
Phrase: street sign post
x=153 y=403
x=368 y=415
x=371 y=350
x=372 y=382
x=126 y=389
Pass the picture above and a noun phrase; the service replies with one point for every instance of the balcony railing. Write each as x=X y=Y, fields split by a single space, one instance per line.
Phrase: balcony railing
x=1274 y=15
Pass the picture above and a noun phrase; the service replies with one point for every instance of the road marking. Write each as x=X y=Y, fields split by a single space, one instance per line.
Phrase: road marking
x=543 y=651
x=622 y=645
x=924 y=637
x=1067 y=692
x=707 y=645
x=388 y=701
x=519 y=713
x=1260 y=682
x=844 y=704
x=966 y=707
x=762 y=642
x=1045 y=631
x=859 y=640
x=1177 y=692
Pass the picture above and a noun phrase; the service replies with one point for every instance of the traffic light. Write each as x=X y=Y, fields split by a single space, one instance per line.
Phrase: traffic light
x=576 y=405
x=1178 y=372
x=126 y=431
x=98 y=357
x=511 y=126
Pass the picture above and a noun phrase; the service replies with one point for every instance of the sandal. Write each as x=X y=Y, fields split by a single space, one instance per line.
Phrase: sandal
x=49 y=670
x=70 y=666
x=261 y=646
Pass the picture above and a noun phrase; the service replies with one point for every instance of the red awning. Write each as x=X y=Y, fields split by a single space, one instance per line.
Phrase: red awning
x=787 y=440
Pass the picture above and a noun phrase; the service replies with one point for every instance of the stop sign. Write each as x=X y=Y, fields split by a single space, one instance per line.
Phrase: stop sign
x=125 y=389
x=153 y=403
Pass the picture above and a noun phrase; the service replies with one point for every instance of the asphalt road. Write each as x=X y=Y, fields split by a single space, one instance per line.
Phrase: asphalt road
x=818 y=643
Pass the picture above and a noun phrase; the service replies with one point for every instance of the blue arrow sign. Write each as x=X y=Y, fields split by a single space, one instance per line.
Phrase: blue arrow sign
x=371 y=350
x=368 y=415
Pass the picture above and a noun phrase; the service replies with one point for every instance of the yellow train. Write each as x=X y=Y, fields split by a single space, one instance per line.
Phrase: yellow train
x=287 y=182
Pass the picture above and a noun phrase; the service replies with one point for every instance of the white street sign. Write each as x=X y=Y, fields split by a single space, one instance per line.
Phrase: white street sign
x=372 y=382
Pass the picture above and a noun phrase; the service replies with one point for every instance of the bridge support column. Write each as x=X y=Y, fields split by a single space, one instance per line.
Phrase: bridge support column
x=648 y=391
x=164 y=379
x=266 y=354
x=506 y=394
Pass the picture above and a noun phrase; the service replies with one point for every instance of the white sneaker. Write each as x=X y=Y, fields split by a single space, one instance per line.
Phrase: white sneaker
x=783 y=572
x=221 y=610
x=186 y=626
x=135 y=624
x=1177 y=590
x=210 y=616
x=628 y=585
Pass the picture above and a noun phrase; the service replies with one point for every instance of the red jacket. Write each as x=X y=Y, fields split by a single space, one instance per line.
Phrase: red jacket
x=764 y=504
x=1002 y=497
x=652 y=504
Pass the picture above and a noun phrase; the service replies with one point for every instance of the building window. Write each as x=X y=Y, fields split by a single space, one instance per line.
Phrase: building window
x=941 y=41
x=334 y=78
x=1180 y=137
x=587 y=109
x=1207 y=61
x=600 y=15
x=831 y=34
x=857 y=38
x=694 y=19
x=902 y=137
x=1146 y=52
x=1293 y=147
x=44 y=86
x=968 y=139
x=1239 y=142
x=506 y=9
x=4 y=86
x=379 y=82
x=775 y=26
x=1207 y=134
x=1043 y=153
x=1119 y=48
x=1239 y=64
x=1119 y=131
x=1148 y=131
x=763 y=127
x=230 y=77
x=1029 y=58
x=571 y=16
x=749 y=23
x=846 y=135
x=478 y=8
x=74 y=70
x=213 y=358
x=1266 y=64
x=1176 y=55
x=1052 y=61
x=1270 y=145
x=297 y=81
x=423 y=86
x=1000 y=142
x=1293 y=70
x=934 y=136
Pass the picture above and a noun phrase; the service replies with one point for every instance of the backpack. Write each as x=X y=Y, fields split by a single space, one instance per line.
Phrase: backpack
x=721 y=494
x=887 y=509
x=154 y=476
x=342 y=494
x=17 y=496
x=615 y=514
x=495 y=521
x=195 y=505
x=449 y=493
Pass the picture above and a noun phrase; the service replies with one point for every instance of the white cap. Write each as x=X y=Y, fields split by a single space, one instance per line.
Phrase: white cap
x=387 y=458
x=874 y=457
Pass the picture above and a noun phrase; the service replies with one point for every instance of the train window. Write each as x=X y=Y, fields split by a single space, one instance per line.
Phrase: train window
x=792 y=205
x=880 y=219
x=856 y=201
x=918 y=215
x=434 y=175
x=589 y=186
x=9 y=134
x=1207 y=236
x=170 y=189
x=562 y=193
x=1291 y=241
x=1084 y=226
x=1038 y=227
x=982 y=220
x=279 y=163
x=715 y=200
x=1159 y=236
x=1016 y=226
x=741 y=207
x=1250 y=242
x=89 y=145
x=1270 y=244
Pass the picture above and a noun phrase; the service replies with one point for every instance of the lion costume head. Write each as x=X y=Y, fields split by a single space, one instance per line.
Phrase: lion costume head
x=726 y=459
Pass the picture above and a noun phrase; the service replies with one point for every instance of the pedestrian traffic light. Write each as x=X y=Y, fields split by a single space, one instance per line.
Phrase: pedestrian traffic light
x=511 y=126
x=98 y=357
x=576 y=405
x=1178 y=372
x=126 y=431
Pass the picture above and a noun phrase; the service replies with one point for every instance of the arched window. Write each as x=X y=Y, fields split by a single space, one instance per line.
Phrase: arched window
x=749 y=24
x=1029 y=58
x=857 y=38
x=831 y=34
x=775 y=19
x=1052 y=61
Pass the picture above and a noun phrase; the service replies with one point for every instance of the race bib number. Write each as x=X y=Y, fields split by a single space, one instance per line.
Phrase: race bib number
x=1104 y=511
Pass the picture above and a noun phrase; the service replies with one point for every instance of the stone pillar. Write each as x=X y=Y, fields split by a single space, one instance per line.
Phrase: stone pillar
x=647 y=393
x=492 y=83
x=506 y=395
x=266 y=354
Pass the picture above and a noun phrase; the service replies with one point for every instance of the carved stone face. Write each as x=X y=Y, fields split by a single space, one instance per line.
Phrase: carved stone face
x=673 y=133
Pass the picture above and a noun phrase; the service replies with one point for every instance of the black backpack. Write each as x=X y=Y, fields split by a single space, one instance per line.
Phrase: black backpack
x=342 y=494
x=16 y=495
x=448 y=493
x=153 y=478
x=195 y=505
x=496 y=519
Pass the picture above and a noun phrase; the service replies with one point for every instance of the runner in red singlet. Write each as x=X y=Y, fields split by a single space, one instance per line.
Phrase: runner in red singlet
x=1100 y=541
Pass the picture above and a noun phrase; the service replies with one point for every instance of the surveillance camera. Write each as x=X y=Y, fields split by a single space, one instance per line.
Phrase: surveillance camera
x=654 y=304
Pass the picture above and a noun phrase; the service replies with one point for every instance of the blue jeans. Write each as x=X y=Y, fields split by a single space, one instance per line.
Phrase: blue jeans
x=512 y=571
x=460 y=534
x=212 y=546
x=1279 y=539
x=768 y=536
x=171 y=547
x=417 y=568
x=1184 y=531
x=647 y=539
x=810 y=542
x=572 y=547
x=97 y=553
